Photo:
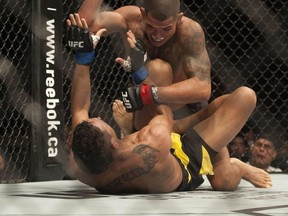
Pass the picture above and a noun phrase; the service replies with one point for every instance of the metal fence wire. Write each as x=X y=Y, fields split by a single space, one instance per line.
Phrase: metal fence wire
x=247 y=42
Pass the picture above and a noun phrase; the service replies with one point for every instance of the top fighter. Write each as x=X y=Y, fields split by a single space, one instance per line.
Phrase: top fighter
x=173 y=42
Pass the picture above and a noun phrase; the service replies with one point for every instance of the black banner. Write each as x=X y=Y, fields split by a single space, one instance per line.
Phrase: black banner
x=48 y=130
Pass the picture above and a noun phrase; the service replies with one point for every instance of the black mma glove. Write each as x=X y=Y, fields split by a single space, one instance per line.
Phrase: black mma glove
x=83 y=43
x=139 y=71
x=135 y=97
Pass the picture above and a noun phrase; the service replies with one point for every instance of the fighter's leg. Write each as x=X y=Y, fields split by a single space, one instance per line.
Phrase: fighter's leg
x=184 y=124
x=228 y=173
x=219 y=129
x=123 y=119
x=222 y=125
x=160 y=72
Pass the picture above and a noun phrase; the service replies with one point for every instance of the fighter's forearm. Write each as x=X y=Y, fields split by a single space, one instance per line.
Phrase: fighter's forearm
x=163 y=109
x=188 y=91
x=97 y=19
x=80 y=93
x=89 y=10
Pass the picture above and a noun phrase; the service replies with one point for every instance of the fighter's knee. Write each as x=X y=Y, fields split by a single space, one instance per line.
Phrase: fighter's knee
x=160 y=72
x=248 y=95
x=223 y=183
x=225 y=186
x=157 y=65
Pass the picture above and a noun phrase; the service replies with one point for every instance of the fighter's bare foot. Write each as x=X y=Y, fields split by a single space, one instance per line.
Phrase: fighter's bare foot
x=258 y=177
x=123 y=119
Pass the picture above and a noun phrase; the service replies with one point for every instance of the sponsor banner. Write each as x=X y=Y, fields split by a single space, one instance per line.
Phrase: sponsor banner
x=48 y=143
x=51 y=83
x=51 y=89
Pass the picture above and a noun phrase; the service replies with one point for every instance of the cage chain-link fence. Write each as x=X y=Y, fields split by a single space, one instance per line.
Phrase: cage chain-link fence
x=15 y=89
x=247 y=42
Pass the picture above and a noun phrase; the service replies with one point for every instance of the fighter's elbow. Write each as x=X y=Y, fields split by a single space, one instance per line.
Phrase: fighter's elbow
x=83 y=13
x=205 y=92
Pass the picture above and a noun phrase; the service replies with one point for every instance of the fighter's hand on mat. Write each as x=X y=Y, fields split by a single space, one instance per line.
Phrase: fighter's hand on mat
x=81 y=40
x=135 y=97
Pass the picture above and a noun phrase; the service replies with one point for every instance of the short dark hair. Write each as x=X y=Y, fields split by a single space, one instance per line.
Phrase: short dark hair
x=162 y=9
x=91 y=147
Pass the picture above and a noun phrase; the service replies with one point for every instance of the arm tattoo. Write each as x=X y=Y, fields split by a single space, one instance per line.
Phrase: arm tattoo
x=148 y=156
x=194 y=44
x=196 y=60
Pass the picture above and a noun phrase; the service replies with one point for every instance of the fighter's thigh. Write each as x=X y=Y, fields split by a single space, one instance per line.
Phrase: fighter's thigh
x=160 y=72
x=222 y=126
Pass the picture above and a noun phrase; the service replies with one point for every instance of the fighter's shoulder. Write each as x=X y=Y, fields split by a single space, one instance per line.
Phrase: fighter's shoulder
x=129 y=11
x=189 y=26
x=153 y=131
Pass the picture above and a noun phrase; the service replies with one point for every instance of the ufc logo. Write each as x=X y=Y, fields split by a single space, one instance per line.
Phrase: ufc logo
x=126 y=101
x=76 y=44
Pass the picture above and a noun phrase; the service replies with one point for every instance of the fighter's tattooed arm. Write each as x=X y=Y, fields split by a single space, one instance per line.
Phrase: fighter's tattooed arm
x=196 y=61
x=149 y=160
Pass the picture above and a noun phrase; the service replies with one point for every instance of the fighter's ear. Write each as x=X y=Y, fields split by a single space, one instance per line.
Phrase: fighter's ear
x=179 y=16
x=115 y=144
x=143 y=12
x=274 y=154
